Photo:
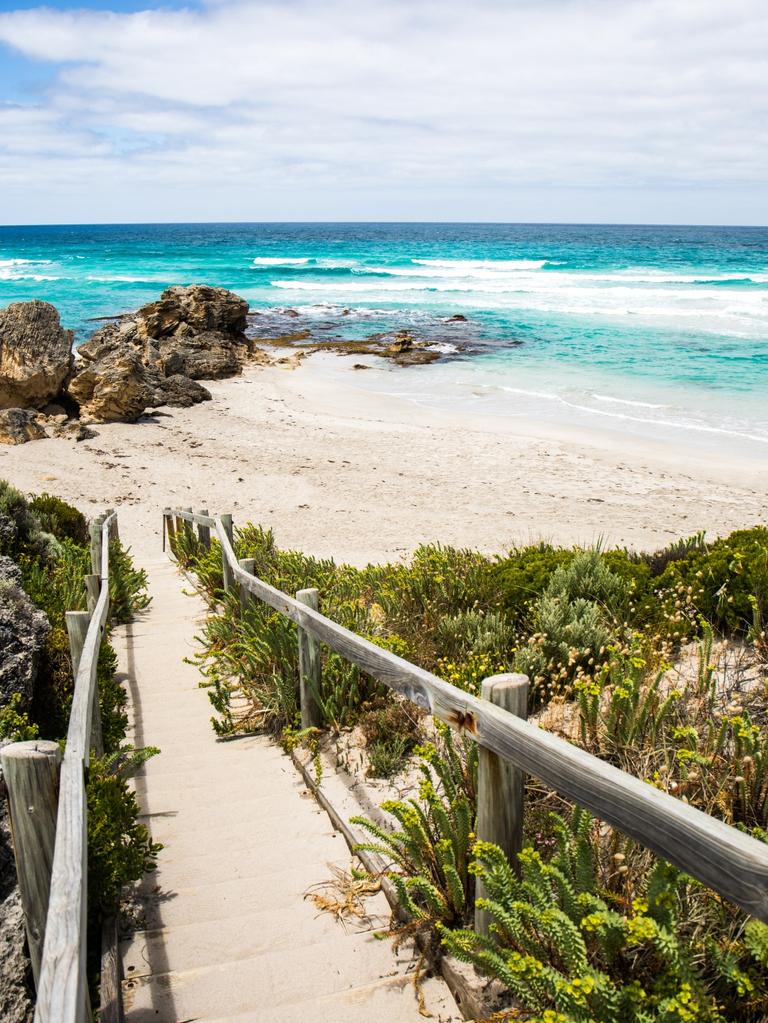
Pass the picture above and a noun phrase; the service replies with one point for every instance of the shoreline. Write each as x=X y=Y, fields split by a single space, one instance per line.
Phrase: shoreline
x=340 y=470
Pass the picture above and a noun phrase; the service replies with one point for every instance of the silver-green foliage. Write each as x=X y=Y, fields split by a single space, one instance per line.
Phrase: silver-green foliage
x=572 y=954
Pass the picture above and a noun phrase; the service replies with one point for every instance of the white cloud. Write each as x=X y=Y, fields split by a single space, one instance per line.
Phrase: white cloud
x=343 y=109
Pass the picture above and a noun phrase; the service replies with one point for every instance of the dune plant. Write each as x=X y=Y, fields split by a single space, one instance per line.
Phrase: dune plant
x=568 y=951
x=429 y=849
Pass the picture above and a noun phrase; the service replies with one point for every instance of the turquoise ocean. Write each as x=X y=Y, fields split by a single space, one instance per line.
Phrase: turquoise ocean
x=657 y=331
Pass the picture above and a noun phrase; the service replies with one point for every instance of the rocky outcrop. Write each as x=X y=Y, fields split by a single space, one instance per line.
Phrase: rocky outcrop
x=155 y=357
x=17 y=426
x=35 y=355
x=113 y=389
x=183 y=312
x=179 y=391
x=16 y=1004
x=23 y=629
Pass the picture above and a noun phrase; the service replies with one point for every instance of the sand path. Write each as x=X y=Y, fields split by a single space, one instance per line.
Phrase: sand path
x=228 y=933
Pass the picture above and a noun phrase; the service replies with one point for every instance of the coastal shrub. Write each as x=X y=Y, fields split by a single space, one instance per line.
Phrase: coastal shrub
x=704 y=741
x=392 y=730
x=128 y=594
x=20 y=531
x=60 y=519
x=429 y=847
x=725 y=581
x=48 y=541
x=523 y=576
x=569 y=951
x=575 y=619
x=120 y=849
x=15 y=725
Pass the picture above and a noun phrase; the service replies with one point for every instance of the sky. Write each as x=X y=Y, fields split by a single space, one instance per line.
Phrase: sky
x=624 y=111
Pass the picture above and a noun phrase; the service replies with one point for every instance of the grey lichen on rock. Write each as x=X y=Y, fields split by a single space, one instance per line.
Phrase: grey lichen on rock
x=35 y=355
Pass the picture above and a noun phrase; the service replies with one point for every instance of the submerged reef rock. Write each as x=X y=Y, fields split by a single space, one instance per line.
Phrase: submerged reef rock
x=35 y=355
x=18 y=425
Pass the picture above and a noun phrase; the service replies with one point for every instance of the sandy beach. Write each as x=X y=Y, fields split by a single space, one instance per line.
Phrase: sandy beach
x=339 y=470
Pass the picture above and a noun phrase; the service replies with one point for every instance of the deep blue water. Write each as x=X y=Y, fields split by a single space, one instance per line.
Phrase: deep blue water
x=666 y=324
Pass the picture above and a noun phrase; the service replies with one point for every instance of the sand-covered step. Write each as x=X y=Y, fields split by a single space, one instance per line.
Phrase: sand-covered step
x=285 y=977
x=294 y=923
x=227 y=929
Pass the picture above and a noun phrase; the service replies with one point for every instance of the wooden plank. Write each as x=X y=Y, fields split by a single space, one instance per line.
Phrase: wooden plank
x=31 y=774
x=500 y=784
x=92 y=590
x=310 y=668
x=723 y=858
x=110 y=990
x=62 y=990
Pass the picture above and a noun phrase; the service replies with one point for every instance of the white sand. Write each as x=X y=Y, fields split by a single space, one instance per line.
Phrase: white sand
x=339 y=470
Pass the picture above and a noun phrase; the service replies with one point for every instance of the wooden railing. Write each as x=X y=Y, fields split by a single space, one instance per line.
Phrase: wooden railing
x=49 y=821
x=722 y=857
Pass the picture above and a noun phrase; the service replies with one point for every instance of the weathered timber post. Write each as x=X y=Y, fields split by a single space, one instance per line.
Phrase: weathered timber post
x=226 y=571
x=77 y=629
x=92 y=591
x=309 y=668
x=113 y=530
x=204 y=532
x=248 y=565
x=31 y=772
x=500 y=784
x=188 y=525
x=95 y=531
x=168 y=528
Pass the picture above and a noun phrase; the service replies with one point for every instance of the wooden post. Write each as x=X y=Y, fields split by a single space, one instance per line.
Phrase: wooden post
x=226 y=571
x=92 y=591
x=204 y=532
x=114 y=531
x=247 y=565
x=77 y=629
x=187 y=525
x=31 y=772
x=95 y=531
x=309 y=668
x=500 y=784
x=170 y=528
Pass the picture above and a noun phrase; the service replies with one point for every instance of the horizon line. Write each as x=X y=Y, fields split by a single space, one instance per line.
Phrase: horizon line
x=425 y=223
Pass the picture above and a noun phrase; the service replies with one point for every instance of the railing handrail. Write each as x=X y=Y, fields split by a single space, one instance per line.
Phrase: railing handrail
x=62 y=988
x=717 y=854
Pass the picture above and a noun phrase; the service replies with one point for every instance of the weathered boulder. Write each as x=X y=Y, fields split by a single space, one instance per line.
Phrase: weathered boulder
x=206 y=356
x=183 y=311
x=19 y=425
x=16 y=1005
x=179 y=392
x=35 y=354
x=154 y=357
x=114 y=388
x=23 y=629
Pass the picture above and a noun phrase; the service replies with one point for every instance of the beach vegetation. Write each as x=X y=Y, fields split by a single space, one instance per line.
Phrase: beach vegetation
x=656 y=663
x=47 y=540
